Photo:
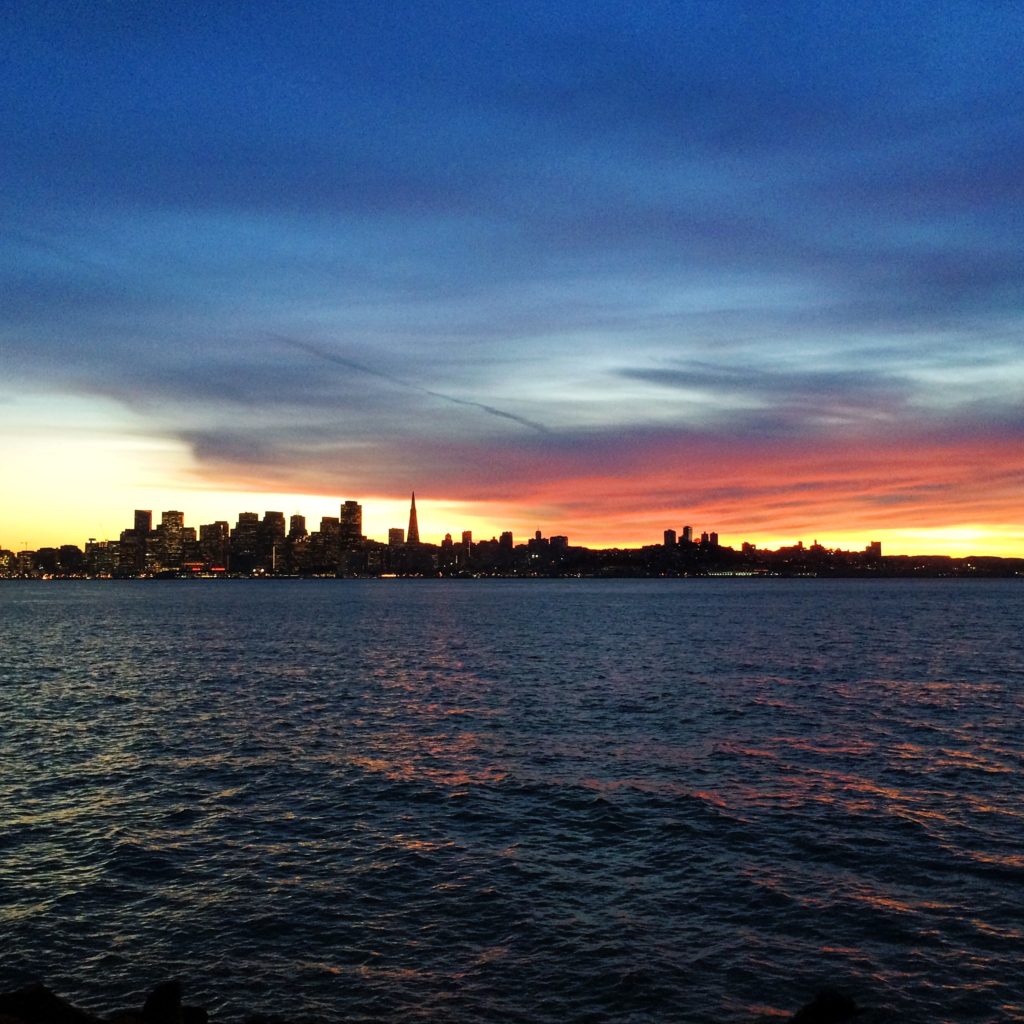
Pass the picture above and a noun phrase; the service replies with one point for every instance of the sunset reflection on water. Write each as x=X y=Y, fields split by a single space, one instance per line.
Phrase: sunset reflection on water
x=488 y=800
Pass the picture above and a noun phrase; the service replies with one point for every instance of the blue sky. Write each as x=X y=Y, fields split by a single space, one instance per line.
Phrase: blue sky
x=586 y=265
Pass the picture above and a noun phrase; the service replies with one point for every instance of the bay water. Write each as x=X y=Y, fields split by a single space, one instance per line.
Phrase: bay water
x=505 y=800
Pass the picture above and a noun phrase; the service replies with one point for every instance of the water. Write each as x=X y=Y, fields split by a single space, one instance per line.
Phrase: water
x=542 y=801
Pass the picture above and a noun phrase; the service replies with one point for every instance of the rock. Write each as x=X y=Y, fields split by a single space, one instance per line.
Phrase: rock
x=163 y=1004
x=36 y=1004
x=829 y=1006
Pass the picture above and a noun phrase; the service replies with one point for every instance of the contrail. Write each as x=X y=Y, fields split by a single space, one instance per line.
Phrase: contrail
x=351 y=364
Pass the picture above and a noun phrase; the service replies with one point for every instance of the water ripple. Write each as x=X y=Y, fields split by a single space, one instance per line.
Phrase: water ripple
x=568 y=801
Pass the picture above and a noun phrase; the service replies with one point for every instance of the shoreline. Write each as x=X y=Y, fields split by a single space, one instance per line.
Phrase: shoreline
x=34 y=1003
x=988 y=573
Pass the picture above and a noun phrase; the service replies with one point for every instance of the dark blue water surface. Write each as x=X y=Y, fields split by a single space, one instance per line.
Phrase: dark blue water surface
x=542 y=801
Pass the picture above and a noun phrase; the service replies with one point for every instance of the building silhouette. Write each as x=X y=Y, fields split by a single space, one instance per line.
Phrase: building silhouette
x=412 y=535
x=171 y=539
x=264 y=547
x=245 y=542
x=350 y=524
x=214 y=543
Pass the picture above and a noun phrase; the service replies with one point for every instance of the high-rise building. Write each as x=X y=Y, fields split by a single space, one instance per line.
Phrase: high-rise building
x=396 y=536
x=70 y=558
x=271 y=540
x=245 y=542
x=134 y=541
x=687 y=534
x=247 y=523
x=273 y=525
x=447 y=557
x=172 y=525
x=323 y=551
x=296 y=527
x=101 y=557
x=413 y=533
x=351 y=524
x=213 y=543
x=670 y=538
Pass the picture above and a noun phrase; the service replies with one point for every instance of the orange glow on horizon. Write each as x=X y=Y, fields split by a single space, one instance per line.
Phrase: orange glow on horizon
x=923 y=495
x=436 y=518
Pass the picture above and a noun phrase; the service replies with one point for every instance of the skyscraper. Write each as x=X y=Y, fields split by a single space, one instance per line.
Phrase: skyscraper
x=351 y=523
x=273 y=526
x=172 y=525
x=213 y=543
x=270 y=536
x=135 y=541
x=412 y=535
x=245 y=542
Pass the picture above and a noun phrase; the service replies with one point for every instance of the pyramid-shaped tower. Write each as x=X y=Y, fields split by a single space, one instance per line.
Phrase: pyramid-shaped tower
x=412 y=535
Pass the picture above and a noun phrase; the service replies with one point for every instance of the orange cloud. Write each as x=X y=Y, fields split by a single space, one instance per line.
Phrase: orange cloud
x=854 y=489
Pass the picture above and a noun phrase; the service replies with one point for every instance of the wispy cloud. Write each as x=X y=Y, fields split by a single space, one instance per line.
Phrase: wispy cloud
x=337 y=359
x=526 y=249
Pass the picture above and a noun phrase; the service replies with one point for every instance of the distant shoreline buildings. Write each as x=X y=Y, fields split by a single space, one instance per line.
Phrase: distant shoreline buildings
x=273 y=547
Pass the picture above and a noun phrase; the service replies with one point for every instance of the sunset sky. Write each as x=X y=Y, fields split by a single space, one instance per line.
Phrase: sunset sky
x=594 y=268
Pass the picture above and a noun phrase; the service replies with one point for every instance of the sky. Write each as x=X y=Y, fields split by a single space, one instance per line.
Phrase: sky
x=599 y=269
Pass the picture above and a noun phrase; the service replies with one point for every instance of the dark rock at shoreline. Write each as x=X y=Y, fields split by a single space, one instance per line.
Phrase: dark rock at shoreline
x=36 y=1004
x=163 y=1006
x=829 y=1006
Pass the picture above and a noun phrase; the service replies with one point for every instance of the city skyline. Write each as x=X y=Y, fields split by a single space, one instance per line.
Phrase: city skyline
x=349 y=523
x=347 y=530
x=280 y=545
x=598 y=269
x=444 y=518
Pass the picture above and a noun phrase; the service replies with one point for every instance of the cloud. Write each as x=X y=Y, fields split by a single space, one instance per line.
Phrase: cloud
x=349 y=364
x=525 y=250
x=839 y=394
